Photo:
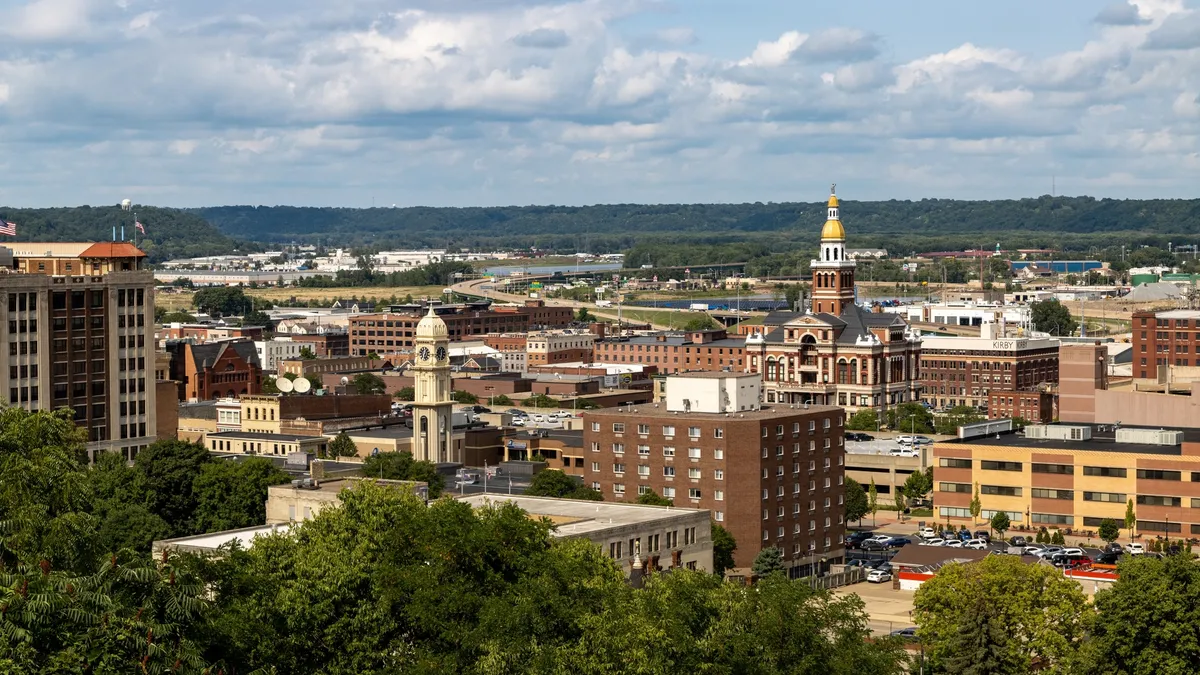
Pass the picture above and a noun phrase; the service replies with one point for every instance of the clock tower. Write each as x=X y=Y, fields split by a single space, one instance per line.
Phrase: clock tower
x=432 y=407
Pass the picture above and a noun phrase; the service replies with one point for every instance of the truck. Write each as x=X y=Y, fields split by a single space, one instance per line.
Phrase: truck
x=604 y=303
x=698 y=307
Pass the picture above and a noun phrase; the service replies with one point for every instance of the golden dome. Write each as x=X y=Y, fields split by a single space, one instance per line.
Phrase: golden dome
x=833 y=230
x=432 y=326
x=833 y=201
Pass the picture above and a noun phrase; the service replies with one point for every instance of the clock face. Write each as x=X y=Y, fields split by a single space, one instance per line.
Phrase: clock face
x=424 y=353
x=441 y=353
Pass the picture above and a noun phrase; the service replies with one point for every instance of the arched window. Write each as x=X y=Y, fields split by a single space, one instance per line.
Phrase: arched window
x=424 y=425
x=771 y=371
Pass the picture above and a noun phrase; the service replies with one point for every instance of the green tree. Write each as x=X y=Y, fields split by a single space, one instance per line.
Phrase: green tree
x=959 y=415
x=702 y=322
x=464 y=397
x=584 y=316
x=901 y=502
x=365 y=384
x=1051 y=316
x=1058 y=538
x=982 y=645
x=268 y=385
x=500 y=399
x=976 y=505
x=1130 y=517
x=792 y=294
x=342 y=446
x=406 y=393
x=230 y=494
x=652 y=498
x=258 y=318
x=1110 y=531
x=554 y=483
x=724 y=546
x=402 y=466
x=1045 y=614
x=177 y=316
x=866 y=419
x=222 y=301
x=872 y=501
x=768 y=561
x=910 y=418
x=168 y=469
x=1146 y=619
x=1000 y=522
x=307 y=352
x=857 y=503
x=540 y=401
x=917 y=485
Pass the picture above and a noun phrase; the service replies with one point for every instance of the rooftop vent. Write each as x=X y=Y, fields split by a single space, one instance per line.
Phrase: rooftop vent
x=1058 y=432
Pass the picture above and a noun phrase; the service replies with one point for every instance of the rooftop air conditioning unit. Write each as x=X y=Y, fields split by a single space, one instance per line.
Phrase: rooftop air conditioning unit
x=1150 y=436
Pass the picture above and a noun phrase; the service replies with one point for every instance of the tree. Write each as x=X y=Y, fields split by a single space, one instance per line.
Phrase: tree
x=857 y=504
x=177 y=316
x=366 y=384
x=258 y=318
x=464 y=397
x=910 y=418
x=168 y=469
x=702 y=322
x=554 y=483
x=1130 y=517
x=307 y=353
x=406 y=393
x=652 y=498
x=233 y=494
x=872 y=501
x=723 y=545
x=402 y=466
x=959 y=415
x=982 y=645
x=793 y=294
x=866 y=419
x=901 y=502
x=269 y=386
x=1045 y=614
x=222 y=301
x=768 y=561
x=976 y=504
x=1000 y=522
x=540 y=401
x=584 y=316
x=500 y=399
x=1051 y=316
x=1110 y=531
x=917 y=485
x=1145 y=621
x=1058 y=538
x=342 y=446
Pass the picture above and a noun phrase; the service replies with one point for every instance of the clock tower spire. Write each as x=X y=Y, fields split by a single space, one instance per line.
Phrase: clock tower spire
x=432 y=407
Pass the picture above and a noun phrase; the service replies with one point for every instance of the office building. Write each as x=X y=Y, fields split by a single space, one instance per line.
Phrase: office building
x=1074 y=476
x=772 y=476
x=675 y=352
x=1165 y=339
x=839 y=353
x=78 y=320
x=394 y=330
x=964 y=371
x=271 y=352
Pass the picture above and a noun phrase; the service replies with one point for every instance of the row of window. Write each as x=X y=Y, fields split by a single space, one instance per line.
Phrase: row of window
x=667 y=451
x=812 y=506
x=1066 y=469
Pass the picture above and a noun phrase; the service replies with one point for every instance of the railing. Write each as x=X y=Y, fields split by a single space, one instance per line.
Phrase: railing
x=853 y=575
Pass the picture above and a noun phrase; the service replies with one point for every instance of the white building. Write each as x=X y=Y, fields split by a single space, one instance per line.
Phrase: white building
x=271 y=352
x=713 y=392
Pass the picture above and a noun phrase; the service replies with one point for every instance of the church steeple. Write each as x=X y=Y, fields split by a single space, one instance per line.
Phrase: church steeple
x=833 y=273
x=432 y=406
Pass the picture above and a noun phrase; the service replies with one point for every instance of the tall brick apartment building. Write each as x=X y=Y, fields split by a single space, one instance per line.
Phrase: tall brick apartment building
x=771 y=476
x=709 y=350
x=1165 y=339
x=394 y=330
x=964 y=371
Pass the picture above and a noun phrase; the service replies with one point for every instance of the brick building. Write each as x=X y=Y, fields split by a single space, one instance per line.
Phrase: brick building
x=329 y=344
x=394 y=330
x=548 y=348
x=705 y=350
x=511 y=347
x=1165 y=339
x=199 y=332
x=964 y=371
x=79 y=323
x=1034 y=405
x=772 y=476
x=215 y=370
x=268 y=412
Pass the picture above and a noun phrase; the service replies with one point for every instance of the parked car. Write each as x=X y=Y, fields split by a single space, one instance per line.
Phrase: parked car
x=903 y=451
x=984 y=535
x=897 y=542
x=1112 y=547
x=874 y=545
x=953 y=543
x=878 y=576
x=1068 y=560
x=909 y=634
x=1135 y=548
x=856 y=539
x=914 y=440
x=561 y=415
x=1047 y=552
x=926 y=533
x=476 y=409
x=933 y=541
x=539 y=418
x=976 y=544
x=1109 y=558
x=1073 y=550
x=1018 y=541
x=885 y=565
x=516 y=412
x=858 y=562
x=858 y=436
x=518 y=421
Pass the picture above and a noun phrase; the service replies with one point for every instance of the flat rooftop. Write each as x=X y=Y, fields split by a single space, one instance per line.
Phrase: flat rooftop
x=262 y=436
x=645 y=410
x=1103 y=440
x=712 y=375
x=576 y=517
x=214 y=540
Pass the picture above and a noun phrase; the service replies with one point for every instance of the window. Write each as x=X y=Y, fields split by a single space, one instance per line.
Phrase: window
x=619 y=448
x=693 y=432
x=955 y=487
x=1104 y=471
x=694 y=453
x=618 y=427
x=1158 y=474
x=619 y=488
x=1014 y=516
x=718 y=433
x=694 y=474
x=1155 y=500
x=595 y=446
x=999 y=466
x=668 y=451
x=1052 y=519
x=595 y=466
x=1052 y=468
x=1001 y=490
x=669 y=471
x=719 y=516
x=1158 y=526
x=693 y=493
x=954 y=463
x=718 y=454
x=643 y=429
x=595 y=426
x=719 y=495
x=1114 y=497
x=643 y=469
x=1044 y=493
x=644 y=450
x=954 y=512
x=669 y=430
x=669 y=492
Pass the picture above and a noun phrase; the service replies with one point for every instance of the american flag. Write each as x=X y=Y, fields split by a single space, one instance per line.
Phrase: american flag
x=8 y=228
x=141 y=228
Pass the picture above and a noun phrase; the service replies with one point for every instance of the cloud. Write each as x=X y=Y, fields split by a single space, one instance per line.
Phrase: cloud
x=1120 y=14
x=543 y=38
x=839 y=44
x=1179 y=31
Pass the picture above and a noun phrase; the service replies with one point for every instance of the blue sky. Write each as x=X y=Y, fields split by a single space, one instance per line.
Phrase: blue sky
x=488 y=102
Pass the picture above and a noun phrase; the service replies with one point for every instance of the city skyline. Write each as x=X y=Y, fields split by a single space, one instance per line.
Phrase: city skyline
x=602 y=101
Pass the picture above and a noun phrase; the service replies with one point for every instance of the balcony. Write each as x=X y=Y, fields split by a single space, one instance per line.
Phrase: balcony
x=812 y=387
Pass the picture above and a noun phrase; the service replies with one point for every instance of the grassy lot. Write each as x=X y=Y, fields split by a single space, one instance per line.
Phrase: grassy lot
x=183 y=301
x=657 y=317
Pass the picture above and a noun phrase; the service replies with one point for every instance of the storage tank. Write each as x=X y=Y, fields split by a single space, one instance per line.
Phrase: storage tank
x=1139 y=279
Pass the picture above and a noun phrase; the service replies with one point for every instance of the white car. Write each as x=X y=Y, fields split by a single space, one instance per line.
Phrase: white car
x=1135 y=549
x=561 y=415
x=953 y=543
x=934 y=541
x=927 y=533
x=538 y=419
x=977 y=544
x=1033 y=549
x=1073 y=550
x=878 y=576
x=1049 y=552
x=904 y=451
x=518 y=421
x=881 y=537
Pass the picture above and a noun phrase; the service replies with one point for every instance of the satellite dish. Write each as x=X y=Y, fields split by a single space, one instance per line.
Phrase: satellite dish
x=284 y=385
x=345 y=380
x=301 y=385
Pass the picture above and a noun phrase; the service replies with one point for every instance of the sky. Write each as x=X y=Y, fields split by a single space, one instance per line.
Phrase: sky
x=500 y=102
